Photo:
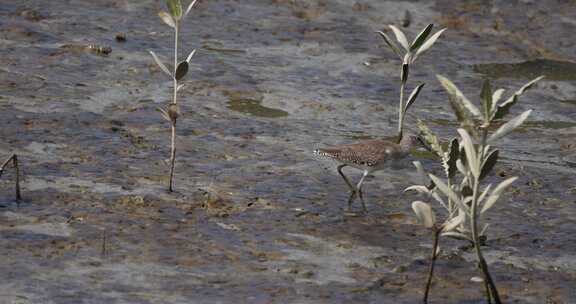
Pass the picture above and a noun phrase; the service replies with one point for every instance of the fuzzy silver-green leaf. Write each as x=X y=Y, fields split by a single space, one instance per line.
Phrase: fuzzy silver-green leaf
x=428 y=44
x=418 y=188
x=454 y=222
x=471 y=155
x=189 y=58
x=452 y=90
x=509 y=127
x=189 y=8
x=390 y=44
x=430 y=138
x=400 y=37
x=424 y=214
x=160 y=64
x=504 y=108
x=496 y=193
x=421 y=173
x=167 y=18
x=448 y=191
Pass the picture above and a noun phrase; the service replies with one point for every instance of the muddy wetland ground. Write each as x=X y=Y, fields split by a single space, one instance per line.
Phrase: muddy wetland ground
x=257 y=218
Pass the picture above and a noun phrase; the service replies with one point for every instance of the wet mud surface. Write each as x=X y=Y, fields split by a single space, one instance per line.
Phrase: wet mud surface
x=256 y=217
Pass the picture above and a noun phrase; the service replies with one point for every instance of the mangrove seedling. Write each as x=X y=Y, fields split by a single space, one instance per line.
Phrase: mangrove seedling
x=14 y=160
x=463 y=196
x=412 y=51
x=174 y=18
x=373 y=155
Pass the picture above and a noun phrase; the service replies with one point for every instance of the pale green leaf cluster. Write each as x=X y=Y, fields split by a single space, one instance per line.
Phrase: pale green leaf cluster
x=491 y=109
x=422 y=43
x=172 y=18
x=175 y=13
x=408 y=53
x=472 y=155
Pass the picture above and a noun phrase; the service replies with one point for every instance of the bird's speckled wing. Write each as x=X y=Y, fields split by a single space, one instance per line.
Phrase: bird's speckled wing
x=369 y=153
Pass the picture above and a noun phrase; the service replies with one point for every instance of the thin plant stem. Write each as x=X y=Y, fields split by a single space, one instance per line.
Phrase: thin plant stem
x=451 y=210
x=174 y=102
x=17 y=167
x=172 y=156
x=104 y=240
x=489 y=283
x=487 y=291
x=176 y=30
x=433 y=256
x=401 y=110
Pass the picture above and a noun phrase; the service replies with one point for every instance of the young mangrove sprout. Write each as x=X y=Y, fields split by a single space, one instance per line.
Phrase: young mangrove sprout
x=174 y=18
x=473 y=157
x=411 y=52
x=14 y=160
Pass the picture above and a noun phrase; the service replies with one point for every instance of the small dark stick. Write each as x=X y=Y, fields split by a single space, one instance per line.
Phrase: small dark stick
x=104 y=239
x=407 y=19
x=15 y=163
x=14 y=159
x=121 y=37
x=436 y=232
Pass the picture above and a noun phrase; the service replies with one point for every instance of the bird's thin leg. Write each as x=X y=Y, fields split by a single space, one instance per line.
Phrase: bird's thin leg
x=339 y=168
x=352 y=188
x=359 y=187
x=351 y=200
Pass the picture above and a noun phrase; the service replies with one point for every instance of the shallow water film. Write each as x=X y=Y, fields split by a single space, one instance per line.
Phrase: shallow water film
x=256 y=217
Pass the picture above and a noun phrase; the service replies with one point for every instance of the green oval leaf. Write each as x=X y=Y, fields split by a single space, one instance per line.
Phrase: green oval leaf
x=496 y=193
x=167 y=18
x=484 y=193
x=430 y=138
x=495 y=99
x=488 y=164
x=390 y=44
x=175 y=9
x=458 y=97
x=457 y=235
x=400 y=37
x=181 y=70
x=486 y=98
x=421 y=173
x=190 y=55
x=419 y=40
x=450 y=162
x=504 y=108
x=189 y=8
x=428 y=44
x=413 y=96
x=160 y=64
x=448 y=192
x=404 y=73
x=454 y=222
x=418 y=188
x=471 y=155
